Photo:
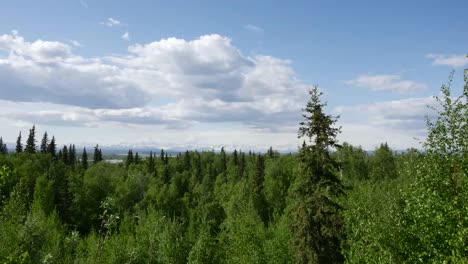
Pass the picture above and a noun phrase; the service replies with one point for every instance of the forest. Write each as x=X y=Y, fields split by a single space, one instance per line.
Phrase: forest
x=330 y=202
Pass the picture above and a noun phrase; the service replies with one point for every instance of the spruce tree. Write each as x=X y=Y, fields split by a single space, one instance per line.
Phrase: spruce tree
x=242 y=165
x=52 y=147
x=97 y=157
x=3 y=147
x=151 y=163
x=316 y=220
x=259 y=176
x=187 y=165
x=72 y=155
x=137 y=158
x=44 y=143
x=235 y=157
x=31 y=141
x=161 y=156
x=223 y=161
x=19 y=145
x=65 y=153
x=129 y=160
x=84 y=159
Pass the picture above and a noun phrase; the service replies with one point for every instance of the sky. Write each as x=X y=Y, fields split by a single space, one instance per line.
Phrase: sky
x=206 y=74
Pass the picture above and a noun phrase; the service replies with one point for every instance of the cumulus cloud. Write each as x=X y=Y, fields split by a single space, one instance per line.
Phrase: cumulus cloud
x=392 y=83
x=170 y=82
x=455 y=61
x=126 y=36
x=253 y=28
x=396 y=122
x=111 y=22
x=75 y=43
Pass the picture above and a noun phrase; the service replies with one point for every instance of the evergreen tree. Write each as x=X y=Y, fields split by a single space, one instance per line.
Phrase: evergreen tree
x=161 y=156
x=316 y=221
x=137 y=158
x=259 y=176
x=235 y=157
x=223 y=161
x=3 y=147
x=52 y=148
x=65 y=155
x=84 y=159
x=96 y=156
x=242 y=165
x=129 y=160
x=151 y=164
x=44 y=143
x=19 y=145
x=72 y=155
x=187 y=165
x=31 y=141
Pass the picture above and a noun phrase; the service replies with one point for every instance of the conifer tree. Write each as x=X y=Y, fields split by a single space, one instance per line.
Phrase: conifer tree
x=151 y=163
x=3 y=147
x=137 y=158
x=65 y=155
x=97 y=154
x=72 y=155
x=129 y=160
x=235 y=157
x=259 y=176
x=187 y=165
x=84 y=159
x=31 y=141
x=19 y=145
x=44 y=143
x=161 y=156
x=242 y=165
x=52 y=148
x=223 y=160
x=316 y=221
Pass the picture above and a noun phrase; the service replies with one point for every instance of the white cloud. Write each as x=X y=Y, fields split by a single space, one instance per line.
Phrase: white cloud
x=392 y=83
x=254 y=28
x=396 y=122
x=171 y=82
x=75 y=43
x=455 y=61
x=110 y=22
x=126 y=36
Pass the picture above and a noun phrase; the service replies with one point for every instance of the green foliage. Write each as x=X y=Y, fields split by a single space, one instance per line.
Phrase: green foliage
x=207 y=207
x=382 y=163
x=316 y=220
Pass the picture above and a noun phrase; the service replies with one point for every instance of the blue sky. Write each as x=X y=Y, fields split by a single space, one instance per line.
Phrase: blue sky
x=234 y=73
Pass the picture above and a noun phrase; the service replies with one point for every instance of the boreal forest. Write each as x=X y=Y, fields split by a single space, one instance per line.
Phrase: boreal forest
x=328 y=202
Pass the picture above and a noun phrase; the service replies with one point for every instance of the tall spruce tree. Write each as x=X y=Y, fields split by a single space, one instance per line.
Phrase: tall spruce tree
x=84 y=159
x=65 y=155
x=151 y=163
x=44 y=143
x=19 y=145
x=97 y=157
x=316 y=220
x=31 y=141
x=130 y=159
x=3 y=147
x=235 y=157
x=72 y=155
x=52 y=147
x=137 y=158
